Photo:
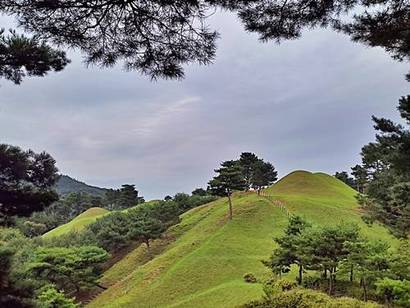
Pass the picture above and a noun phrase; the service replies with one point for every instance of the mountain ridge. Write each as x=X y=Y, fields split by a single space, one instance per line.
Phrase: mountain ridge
x=66 y=184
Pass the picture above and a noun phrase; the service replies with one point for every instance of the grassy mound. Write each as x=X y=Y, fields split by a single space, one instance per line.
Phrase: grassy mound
x=78 y=223
x=322 y=199
x=205 y=264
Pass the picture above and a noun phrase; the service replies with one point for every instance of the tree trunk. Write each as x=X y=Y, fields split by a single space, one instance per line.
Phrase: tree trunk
x=259 y=191
x=148 y=247
x=364 y=290
x=331 y=280
x=300 y=274
x=351 y=273
x=230 y=207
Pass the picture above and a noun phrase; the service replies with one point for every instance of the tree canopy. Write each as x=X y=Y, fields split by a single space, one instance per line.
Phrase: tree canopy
x=228 y=179
x=157 y=38
x=26 y=181
x=22 y=56
x=387 y=164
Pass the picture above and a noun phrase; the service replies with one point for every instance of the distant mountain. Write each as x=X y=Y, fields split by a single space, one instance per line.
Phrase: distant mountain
x=66 y=185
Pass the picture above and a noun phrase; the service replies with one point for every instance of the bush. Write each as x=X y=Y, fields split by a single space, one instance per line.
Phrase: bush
x=311 y=282
x=303 y=298
x=71 y=239
x=49 y=297
x=274 y=286
x=250 y=278
x=285 y=285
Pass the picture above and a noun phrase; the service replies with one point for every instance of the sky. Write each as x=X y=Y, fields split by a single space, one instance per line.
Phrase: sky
x=304 y=104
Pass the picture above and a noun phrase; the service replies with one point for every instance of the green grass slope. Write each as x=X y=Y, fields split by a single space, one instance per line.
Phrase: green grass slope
x=78 y=223
x=205 y=264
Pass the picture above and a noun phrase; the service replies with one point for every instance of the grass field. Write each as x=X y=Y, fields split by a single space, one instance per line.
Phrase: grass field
x=78 y=223
x=205 y=264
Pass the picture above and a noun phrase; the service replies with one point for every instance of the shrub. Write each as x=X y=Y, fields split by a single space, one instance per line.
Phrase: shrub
x=304 y=298
x=71 y=239
x=250 y=278
x=285 y=285
x=49 y=297
x=311 y=282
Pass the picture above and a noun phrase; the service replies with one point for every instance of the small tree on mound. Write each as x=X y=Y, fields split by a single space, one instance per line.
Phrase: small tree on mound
x=228 y=180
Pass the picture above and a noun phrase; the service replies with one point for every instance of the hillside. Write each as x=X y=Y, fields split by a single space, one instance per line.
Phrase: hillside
x=205 y=264
x=66 y=185
x=78 y=223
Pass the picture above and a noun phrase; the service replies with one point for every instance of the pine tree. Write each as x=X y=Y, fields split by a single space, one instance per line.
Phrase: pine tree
x=228 y=180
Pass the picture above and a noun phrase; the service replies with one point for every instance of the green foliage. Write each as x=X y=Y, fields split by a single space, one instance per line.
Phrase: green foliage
x=399 y=261
x=302 y=298
x=291 y=249
x=111 y=231
x=123 y=198
x=387 y=163
x=145 y=227
x=322 y=249
x=228 y=180
x=368 y=261
x=199 y=192
x=264 y=174
x=247 y=162
x=32 y=229
x=72 y=238
x=15 y=289
x=256 y=173
x=185 y=202
x=49 y=297
x=394 y=291
x=361 y=177
x=70 y=269
x=26 y=181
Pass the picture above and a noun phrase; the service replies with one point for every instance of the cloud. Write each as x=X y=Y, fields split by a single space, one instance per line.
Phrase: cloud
x=305 y=104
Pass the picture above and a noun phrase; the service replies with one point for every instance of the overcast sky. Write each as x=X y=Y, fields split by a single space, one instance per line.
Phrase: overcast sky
x=305 y=104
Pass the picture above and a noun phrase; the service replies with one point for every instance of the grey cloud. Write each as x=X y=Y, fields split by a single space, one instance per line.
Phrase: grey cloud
x=304 y=104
